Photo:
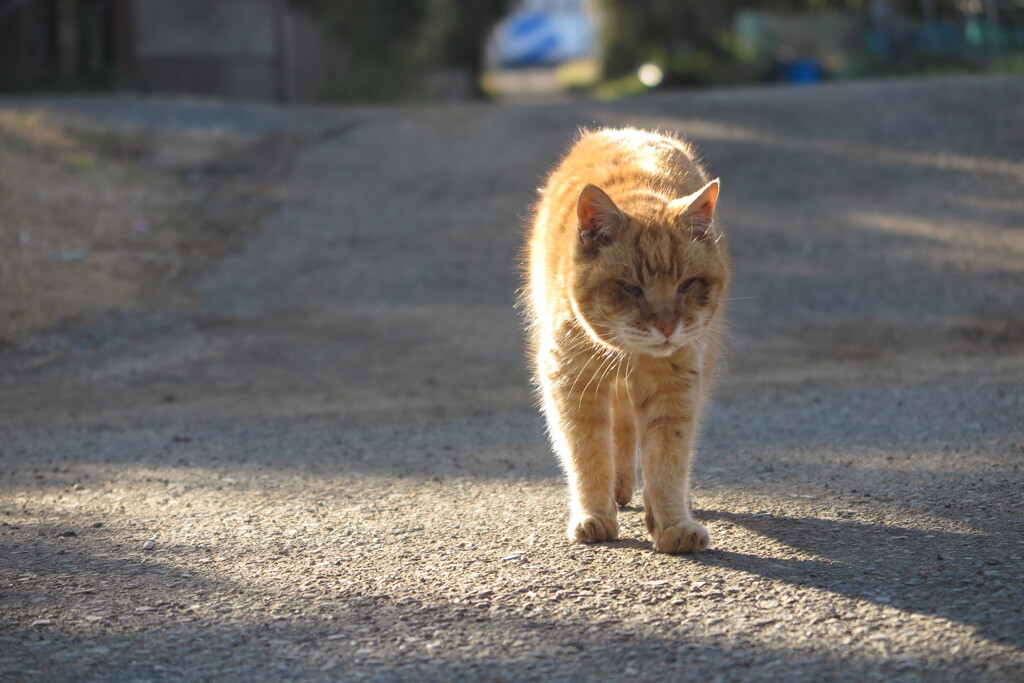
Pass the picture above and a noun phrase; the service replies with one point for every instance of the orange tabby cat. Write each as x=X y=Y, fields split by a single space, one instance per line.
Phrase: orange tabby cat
x=627 y=282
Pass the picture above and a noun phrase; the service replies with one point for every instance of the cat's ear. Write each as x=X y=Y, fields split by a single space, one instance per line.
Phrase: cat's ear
x=598 y=216
x=697 y=211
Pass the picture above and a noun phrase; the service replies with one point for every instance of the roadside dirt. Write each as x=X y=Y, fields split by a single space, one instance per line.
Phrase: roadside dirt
x=99 y=219
x=327 y=463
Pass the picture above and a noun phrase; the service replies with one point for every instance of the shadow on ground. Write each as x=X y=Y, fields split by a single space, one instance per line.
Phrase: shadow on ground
x=207 y=623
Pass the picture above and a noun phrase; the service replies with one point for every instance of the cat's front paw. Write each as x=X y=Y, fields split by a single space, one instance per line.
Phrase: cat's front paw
x=685 y=537
x=593 y=529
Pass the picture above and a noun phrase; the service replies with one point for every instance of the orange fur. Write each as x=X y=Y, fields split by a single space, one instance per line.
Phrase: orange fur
x=626 y=285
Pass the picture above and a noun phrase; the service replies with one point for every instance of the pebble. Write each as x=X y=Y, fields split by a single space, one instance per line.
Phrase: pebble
x=149 y=545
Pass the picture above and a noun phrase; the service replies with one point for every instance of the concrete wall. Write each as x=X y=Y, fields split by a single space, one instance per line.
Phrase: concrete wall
x=243 y=49
x=246 y=49
x=227 y=29
x=213 y=47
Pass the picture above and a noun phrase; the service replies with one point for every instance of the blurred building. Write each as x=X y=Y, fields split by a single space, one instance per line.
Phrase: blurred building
x=250 y=49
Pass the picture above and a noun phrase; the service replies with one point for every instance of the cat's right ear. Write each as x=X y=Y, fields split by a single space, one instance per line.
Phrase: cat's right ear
x=598 y=216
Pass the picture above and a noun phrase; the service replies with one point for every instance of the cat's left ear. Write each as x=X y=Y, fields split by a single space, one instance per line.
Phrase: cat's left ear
x=697 y=211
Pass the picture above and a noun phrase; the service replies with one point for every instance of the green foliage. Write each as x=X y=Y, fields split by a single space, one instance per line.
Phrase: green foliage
x=675 y=34
x=393 y=44
x=623 y=86
x=641 y=31
x=1008 y=64
x=692 y=41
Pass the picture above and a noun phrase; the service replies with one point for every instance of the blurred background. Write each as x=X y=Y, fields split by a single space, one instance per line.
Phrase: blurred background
x=447 y=50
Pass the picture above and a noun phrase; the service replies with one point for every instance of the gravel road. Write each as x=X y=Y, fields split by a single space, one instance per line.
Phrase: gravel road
x=331 y=467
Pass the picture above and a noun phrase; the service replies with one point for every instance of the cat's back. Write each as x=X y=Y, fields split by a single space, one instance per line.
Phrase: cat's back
x=640 y=170
x=620 y=157
x=622 y=162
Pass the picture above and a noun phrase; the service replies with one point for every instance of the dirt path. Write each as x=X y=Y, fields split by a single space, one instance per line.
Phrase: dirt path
x=330 y=467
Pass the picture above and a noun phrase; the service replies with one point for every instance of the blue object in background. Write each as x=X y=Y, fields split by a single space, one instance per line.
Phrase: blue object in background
x=531 y=39
x=803 y=72
x=534 y=38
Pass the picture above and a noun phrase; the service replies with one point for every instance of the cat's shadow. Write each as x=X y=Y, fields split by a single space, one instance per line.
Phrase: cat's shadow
x=845 y=561
x=629 y=544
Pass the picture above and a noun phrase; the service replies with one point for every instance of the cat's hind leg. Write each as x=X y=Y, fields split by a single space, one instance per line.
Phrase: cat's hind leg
x=624 y=445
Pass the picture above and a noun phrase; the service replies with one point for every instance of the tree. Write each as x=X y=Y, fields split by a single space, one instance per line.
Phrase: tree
x=394 y=44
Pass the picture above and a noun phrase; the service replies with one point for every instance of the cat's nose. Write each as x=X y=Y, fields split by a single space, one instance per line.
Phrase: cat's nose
x=666 y=323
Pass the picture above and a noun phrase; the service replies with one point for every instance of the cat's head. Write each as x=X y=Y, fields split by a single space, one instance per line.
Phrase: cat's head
x=653 y=279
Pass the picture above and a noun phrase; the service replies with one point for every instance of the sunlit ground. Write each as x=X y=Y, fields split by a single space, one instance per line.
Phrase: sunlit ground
x=332 y=465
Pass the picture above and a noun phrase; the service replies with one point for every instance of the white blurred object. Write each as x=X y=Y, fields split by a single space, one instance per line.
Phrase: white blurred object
x=650 y=75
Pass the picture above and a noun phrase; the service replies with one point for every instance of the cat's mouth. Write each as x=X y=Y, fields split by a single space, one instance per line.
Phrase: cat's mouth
x=654 y=344
x=661 y=348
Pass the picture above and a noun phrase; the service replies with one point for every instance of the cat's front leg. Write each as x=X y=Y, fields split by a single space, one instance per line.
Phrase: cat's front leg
x=580 y=424
x=667 y=436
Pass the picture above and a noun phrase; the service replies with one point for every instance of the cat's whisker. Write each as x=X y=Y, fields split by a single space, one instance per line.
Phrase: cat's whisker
x=735 y=340
x=723 y=327
x=630 y=369
x=582 y=341
x=580 y=374
x=619 y=371
x=583 y=394
x=610 y=367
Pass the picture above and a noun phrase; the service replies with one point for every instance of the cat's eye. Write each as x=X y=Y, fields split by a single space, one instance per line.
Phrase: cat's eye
x=688 y=285
x=632 y=290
